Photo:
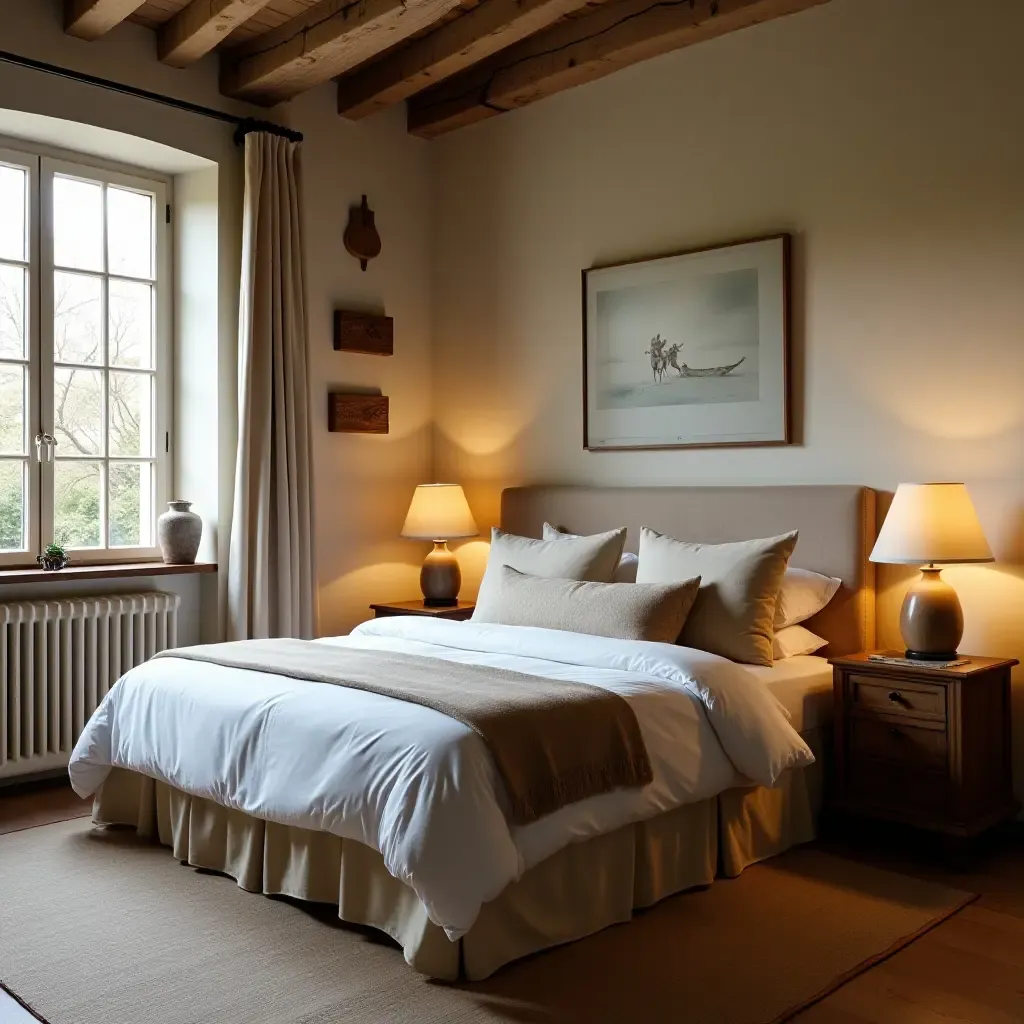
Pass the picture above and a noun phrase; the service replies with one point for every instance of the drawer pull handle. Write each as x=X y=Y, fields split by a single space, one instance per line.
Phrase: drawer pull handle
x=897 y=698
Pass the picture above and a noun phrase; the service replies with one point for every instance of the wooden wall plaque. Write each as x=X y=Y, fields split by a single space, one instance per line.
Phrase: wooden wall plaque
x=357 y=414
x=364 y=332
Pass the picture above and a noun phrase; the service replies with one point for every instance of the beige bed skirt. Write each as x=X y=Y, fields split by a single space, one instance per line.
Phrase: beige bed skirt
x=581 y=889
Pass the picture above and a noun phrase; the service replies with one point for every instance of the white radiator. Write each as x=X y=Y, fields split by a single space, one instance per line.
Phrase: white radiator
x=57 y=661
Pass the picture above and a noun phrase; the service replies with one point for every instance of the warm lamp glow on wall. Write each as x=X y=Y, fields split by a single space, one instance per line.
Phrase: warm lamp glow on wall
x=439 y=512
x=929 y=524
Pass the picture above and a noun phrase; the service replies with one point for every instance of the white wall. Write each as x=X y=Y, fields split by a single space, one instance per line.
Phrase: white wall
x=886 y=137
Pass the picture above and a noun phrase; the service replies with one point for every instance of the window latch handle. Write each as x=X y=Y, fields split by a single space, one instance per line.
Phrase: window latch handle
x=50 y=441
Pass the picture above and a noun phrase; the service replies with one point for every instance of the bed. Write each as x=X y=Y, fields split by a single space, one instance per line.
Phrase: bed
x=539 y=889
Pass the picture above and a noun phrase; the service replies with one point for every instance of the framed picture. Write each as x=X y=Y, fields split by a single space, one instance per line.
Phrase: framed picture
x=688 y=350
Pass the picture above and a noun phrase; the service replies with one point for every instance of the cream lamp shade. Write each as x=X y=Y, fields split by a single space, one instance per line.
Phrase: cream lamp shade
x=928 y=524
x=931 y=523
x=439 y=512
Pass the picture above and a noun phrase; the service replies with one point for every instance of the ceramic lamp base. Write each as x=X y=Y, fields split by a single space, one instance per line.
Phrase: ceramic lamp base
x=440 y=577
x=931 y=620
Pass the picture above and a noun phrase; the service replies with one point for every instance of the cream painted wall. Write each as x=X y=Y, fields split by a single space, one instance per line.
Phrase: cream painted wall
x=362 y=484
x=885 y=136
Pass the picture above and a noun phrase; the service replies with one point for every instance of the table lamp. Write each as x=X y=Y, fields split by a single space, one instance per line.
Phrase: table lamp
x=929 y=524
x=440 y=513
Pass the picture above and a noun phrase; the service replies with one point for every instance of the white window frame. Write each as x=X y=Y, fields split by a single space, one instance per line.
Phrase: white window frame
x=40 y=412
x=31 y=478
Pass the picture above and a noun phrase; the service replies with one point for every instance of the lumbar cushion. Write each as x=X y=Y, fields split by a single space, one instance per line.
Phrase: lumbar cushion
x=626 y=611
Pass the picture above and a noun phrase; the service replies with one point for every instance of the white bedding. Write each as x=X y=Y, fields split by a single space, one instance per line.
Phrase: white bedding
x=803 y=686
x=414 y=784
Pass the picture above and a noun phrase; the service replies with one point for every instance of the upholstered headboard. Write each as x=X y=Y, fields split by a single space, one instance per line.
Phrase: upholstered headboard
x=836 y=524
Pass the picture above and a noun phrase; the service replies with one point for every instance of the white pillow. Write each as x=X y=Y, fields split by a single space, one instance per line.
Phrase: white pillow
x=794 y=640
x=803 y=593
x=625 y=571
x=592 y=559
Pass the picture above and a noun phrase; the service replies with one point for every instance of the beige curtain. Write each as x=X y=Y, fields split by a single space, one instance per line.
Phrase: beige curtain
x=271 y=574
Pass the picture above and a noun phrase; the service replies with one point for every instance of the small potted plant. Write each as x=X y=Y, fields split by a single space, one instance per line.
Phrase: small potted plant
x=53 y=557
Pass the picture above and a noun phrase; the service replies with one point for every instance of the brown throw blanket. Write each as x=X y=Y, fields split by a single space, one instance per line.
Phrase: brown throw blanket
x=553 y=742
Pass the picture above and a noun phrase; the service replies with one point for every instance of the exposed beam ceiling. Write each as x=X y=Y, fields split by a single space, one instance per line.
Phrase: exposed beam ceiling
x=200 y=27
x=455 y=62
x=581 y=50
x=477 y=34
x=90 y=19
x=325 y=41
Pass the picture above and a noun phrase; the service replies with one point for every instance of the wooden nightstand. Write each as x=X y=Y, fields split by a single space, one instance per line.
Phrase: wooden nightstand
x=461 y=611
x=924 y=746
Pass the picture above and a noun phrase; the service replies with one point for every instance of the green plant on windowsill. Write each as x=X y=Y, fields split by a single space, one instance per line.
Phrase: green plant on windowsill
x=53 y=557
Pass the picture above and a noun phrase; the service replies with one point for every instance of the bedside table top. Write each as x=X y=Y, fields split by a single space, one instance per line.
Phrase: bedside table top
x=975 y=665
x=419 y=608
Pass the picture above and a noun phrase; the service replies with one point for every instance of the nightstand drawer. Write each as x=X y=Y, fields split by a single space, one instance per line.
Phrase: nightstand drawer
x=896 y=697
x=917 y=746
x=884 y=785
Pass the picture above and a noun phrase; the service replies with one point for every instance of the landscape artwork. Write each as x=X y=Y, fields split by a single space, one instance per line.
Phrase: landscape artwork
x=688 y=349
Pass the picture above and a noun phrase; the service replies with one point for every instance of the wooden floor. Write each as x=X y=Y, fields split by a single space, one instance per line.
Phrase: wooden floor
x=968 y=969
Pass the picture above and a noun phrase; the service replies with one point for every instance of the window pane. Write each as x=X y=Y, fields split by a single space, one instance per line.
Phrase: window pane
x=131 y=504
x=12 y=505
x=77 y=318
x=76 y=503
x=78 y=411
x=12 y=409
x=13 y=192
x=131 y=324
x=77 y=224
x=12 y=311
x=131 y=414
x=129 y=233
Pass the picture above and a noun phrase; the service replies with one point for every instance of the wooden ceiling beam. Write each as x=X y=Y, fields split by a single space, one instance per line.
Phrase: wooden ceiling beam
x=197 y=29
x=469 y=39
x=327 y=40
x=581 y=50
x=90 y=19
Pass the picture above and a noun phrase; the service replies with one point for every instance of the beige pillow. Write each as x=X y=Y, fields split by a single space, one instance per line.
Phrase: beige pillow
x=625 y=571
x=626 y=611
x=735 y=609
x=572 y=558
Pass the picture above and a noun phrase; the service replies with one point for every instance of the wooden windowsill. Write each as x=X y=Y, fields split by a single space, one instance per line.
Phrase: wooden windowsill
x=122 y=570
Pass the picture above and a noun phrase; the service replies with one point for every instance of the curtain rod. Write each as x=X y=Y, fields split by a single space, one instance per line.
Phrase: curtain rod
x=243 y=125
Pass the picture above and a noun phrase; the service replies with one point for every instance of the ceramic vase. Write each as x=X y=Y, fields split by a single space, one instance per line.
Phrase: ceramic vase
x=178 y=532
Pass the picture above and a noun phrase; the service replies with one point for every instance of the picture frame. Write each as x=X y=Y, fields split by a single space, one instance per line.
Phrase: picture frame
x=689 y=349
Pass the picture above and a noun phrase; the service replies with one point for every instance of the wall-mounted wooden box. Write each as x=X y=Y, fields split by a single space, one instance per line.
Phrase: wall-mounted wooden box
x=357 y=414
x=364 y=332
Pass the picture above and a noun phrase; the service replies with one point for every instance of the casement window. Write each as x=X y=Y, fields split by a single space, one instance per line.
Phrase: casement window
x=85 y=360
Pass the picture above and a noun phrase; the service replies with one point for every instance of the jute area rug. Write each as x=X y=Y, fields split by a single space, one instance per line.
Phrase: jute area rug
x=97 y=928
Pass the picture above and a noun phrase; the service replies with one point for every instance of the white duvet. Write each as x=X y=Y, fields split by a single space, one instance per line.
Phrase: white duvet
x=414 y=784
